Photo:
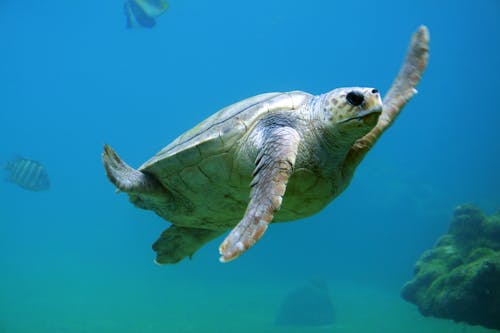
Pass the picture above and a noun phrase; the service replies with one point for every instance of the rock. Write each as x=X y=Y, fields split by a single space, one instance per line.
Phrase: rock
x=459 y=278
x=307 y=306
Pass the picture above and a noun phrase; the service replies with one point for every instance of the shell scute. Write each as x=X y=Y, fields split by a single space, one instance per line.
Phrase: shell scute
x=194 y=179
x=212 y=166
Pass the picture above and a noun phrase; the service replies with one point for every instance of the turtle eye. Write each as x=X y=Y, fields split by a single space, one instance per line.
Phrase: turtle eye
x=355 y=98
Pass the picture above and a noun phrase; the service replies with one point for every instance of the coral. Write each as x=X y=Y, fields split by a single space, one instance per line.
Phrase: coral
x=459 y=278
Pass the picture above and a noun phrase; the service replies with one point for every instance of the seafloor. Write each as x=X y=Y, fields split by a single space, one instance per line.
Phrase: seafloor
x=128 y=304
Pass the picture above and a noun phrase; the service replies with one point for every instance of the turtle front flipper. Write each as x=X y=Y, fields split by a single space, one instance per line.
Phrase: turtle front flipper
x=176 y=243
x=402 y=90
x=126 y=178
x=274 y=166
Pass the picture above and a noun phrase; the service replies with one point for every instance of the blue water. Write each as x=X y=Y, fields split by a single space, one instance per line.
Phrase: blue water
x=78 y=259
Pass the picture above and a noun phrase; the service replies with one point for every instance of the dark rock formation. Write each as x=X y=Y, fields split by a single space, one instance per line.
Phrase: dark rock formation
x=306 y=306
x=459 y=278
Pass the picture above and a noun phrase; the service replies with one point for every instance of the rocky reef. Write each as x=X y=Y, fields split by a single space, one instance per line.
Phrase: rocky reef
x=459 y=278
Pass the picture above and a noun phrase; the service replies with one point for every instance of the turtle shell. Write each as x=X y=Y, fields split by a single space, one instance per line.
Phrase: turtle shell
x=217 y=134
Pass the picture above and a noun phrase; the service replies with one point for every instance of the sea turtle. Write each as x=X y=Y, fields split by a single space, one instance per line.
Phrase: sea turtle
x=274 y=157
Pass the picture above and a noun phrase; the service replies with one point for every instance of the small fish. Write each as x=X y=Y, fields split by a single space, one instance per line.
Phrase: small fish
x=29 y=174
x=143 y=12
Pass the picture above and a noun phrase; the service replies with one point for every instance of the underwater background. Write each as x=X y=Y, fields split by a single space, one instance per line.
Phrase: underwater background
x=78 y=258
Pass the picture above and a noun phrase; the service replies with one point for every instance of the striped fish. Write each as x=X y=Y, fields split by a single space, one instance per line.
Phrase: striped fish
x=29 y=174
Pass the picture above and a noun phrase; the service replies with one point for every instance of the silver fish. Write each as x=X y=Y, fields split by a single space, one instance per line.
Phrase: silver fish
x=28 y=174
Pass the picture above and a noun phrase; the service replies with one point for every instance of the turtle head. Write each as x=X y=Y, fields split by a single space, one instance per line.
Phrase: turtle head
x=353 y=107
x=348 y=114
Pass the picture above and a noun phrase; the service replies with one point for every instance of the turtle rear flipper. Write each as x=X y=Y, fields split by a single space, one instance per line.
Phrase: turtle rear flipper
x=176 y=243
x=126 y=178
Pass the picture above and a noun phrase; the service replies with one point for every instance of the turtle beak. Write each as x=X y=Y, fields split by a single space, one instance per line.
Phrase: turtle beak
x=363 y=114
